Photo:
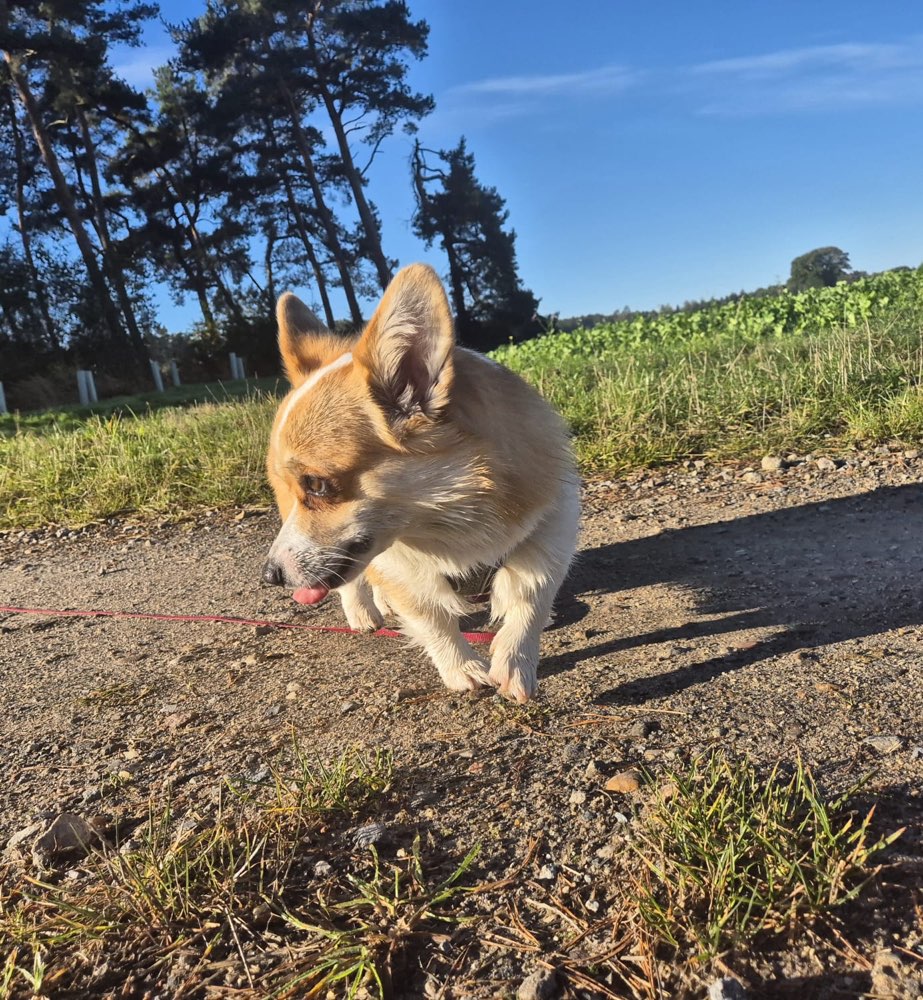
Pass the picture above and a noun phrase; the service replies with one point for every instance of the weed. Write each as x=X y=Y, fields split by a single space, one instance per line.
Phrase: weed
x=724 y=859
x=367 y=932
x=730 y=856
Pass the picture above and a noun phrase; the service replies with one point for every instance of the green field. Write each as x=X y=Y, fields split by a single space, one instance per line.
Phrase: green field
x=831 y=367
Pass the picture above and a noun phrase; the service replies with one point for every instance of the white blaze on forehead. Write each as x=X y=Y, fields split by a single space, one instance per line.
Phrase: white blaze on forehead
x=308 y=385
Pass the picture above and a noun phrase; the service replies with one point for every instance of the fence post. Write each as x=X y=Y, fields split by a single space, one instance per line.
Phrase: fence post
x=233 y=365
x=82 y=387
x=91 y=386
x=174 y=374
x=3 y=408
x=241 y=371
x=158 y=378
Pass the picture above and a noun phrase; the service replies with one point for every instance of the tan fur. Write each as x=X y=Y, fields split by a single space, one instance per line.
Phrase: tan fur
x=438 y=459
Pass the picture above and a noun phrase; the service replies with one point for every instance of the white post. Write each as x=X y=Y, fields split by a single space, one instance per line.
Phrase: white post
x=91 y=386
x=174 y=373
x=241 y=371
x=3 y=408
x=233 y=365
x=82 y=387
x=158 y=378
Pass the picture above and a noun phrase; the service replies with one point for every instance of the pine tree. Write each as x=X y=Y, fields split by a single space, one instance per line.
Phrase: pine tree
x=357 y=69
x=56 y=58
x=468 y=220
x=250 y=55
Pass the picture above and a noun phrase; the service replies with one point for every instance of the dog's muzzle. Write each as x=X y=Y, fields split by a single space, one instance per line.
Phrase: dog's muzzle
x=276 y=574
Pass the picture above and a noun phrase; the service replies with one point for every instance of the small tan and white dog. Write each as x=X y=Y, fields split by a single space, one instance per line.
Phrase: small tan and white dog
x=400 y=462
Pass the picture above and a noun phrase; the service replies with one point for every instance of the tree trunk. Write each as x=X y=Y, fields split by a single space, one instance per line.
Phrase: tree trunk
x=353 y=176
x=302 y=230
x=457 y=286
x=65 y=199
x=38 y=286
x=366 y=215
x=456 y=271
x=323 y=211
x=110 y=263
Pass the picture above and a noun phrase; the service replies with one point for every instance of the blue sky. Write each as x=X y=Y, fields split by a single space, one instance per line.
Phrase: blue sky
x=651 y=153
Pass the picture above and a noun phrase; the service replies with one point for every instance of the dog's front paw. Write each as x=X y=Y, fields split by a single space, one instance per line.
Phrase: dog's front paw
x=515 y=680
x=468 y=677
x=361 y=612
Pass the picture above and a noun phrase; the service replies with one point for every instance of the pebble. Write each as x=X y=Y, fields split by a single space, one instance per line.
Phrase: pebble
x=726 y=989
x=884 y=744
x=892 y=978
x=348 y=706
x=539 y=985
x=577 y=798
x=323 y=869
x=642 y=728
x=547 y=873
x=752 y=477
x=771 y=463
x=624 y=782
x=370 y=834
x=67 y=837
x=825 y=465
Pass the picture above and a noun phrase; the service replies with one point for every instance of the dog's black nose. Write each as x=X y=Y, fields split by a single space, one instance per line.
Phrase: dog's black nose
x=272 y=574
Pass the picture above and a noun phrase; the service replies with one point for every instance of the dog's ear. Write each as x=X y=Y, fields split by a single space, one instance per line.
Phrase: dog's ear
x=301 y=337
x=406 y=349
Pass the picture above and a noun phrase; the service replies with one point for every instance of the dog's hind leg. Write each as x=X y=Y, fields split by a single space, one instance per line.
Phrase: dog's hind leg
x=359 y=605
x=523 y=592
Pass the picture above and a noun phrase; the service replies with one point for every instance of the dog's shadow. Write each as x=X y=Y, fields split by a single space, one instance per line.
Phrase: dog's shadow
x=818 y=573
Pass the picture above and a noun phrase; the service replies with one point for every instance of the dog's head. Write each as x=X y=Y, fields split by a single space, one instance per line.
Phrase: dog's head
x=357 y=410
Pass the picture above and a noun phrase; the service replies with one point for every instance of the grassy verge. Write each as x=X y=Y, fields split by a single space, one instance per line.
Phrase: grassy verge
x=267 y=895
x=74 y=417
x=629 y=406
x=169 y=462
x=731 y=397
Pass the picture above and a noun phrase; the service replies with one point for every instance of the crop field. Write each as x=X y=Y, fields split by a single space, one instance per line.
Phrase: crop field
x=829 y=367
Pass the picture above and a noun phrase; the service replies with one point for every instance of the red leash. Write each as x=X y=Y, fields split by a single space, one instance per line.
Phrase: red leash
x=476 y=637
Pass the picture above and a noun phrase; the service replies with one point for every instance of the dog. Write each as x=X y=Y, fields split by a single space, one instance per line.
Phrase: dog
x=401 y=462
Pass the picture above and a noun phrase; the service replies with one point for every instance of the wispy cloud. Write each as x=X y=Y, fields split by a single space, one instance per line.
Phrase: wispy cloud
x=602 y=81
x=851 y=74
x=856 y=57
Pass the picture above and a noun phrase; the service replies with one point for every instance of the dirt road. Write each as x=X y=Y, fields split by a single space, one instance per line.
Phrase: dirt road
x=768 y=613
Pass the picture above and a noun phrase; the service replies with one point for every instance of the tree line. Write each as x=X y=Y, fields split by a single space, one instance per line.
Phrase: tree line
x=243 y=171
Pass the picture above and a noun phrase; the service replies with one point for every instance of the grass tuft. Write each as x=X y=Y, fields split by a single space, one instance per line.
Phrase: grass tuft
x=729 y=856
x=232 y=900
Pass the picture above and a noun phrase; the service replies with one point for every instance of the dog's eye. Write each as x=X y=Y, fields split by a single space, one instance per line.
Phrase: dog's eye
x=316 y=487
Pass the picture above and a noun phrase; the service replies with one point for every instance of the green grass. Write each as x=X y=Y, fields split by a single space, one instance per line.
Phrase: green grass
x=170 y=462
x=718 y=867
x=653 y=403
x=724 y=394
x=75 y=417
x=234 y=893
x=731 y=856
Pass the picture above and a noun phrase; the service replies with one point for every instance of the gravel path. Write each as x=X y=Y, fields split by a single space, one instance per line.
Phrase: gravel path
x=774 y=612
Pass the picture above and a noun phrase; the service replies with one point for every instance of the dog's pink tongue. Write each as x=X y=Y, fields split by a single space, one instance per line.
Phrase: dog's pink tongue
x=310 y=595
